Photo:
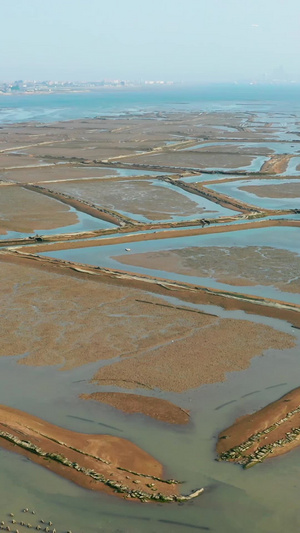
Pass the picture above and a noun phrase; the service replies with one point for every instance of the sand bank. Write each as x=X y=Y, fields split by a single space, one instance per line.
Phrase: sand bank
x=218 y=198
x=157 y=408
x=192 y=159
x=277 y=164
x=96 y=462
x=272 y=431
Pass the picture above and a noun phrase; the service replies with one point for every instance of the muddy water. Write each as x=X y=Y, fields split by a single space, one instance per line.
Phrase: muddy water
x=285 y=238
x=269 y=492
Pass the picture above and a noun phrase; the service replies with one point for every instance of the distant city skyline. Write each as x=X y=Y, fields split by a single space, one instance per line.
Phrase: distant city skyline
x=196 y=41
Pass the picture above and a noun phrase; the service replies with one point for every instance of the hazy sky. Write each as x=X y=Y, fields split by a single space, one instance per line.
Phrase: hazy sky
x=181 y=40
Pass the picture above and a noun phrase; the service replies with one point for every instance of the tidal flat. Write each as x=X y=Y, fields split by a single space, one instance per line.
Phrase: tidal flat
x=142 y=316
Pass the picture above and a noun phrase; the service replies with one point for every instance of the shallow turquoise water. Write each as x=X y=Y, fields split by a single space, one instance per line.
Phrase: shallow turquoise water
x=53 y=107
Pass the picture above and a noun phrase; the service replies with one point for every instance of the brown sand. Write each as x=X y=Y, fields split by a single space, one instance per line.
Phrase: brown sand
x=116 y=451
x=147 y=405
x=80 y=205
x=237 y=266
x=10 y=161
x=277 y=164
x=26 y=211
x=249 y=425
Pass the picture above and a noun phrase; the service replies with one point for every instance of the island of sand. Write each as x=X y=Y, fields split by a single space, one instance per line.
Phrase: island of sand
x=272 y=431
x=97 y=462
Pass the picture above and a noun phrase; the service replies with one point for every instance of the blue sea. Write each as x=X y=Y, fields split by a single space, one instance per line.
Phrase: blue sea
x=55 y=107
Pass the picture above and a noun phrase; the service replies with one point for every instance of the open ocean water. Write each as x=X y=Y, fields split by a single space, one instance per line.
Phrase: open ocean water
x=59 y=106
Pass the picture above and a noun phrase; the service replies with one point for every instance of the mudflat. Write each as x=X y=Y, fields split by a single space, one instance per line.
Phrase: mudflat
x=193 y=159
x=237 y=266
x=202 y=357
x=141 y=197
x=280 y=190
x=53 y=321
x=26 y=211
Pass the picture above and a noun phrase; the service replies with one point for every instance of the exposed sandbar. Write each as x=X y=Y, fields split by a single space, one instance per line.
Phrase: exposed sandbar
x=157 y=408
x=54 y=173
x=96 y=462
x=272 y=431
x=277 y=164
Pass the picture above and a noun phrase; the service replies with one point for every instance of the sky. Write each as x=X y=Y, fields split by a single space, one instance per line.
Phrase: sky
x=192 y=41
